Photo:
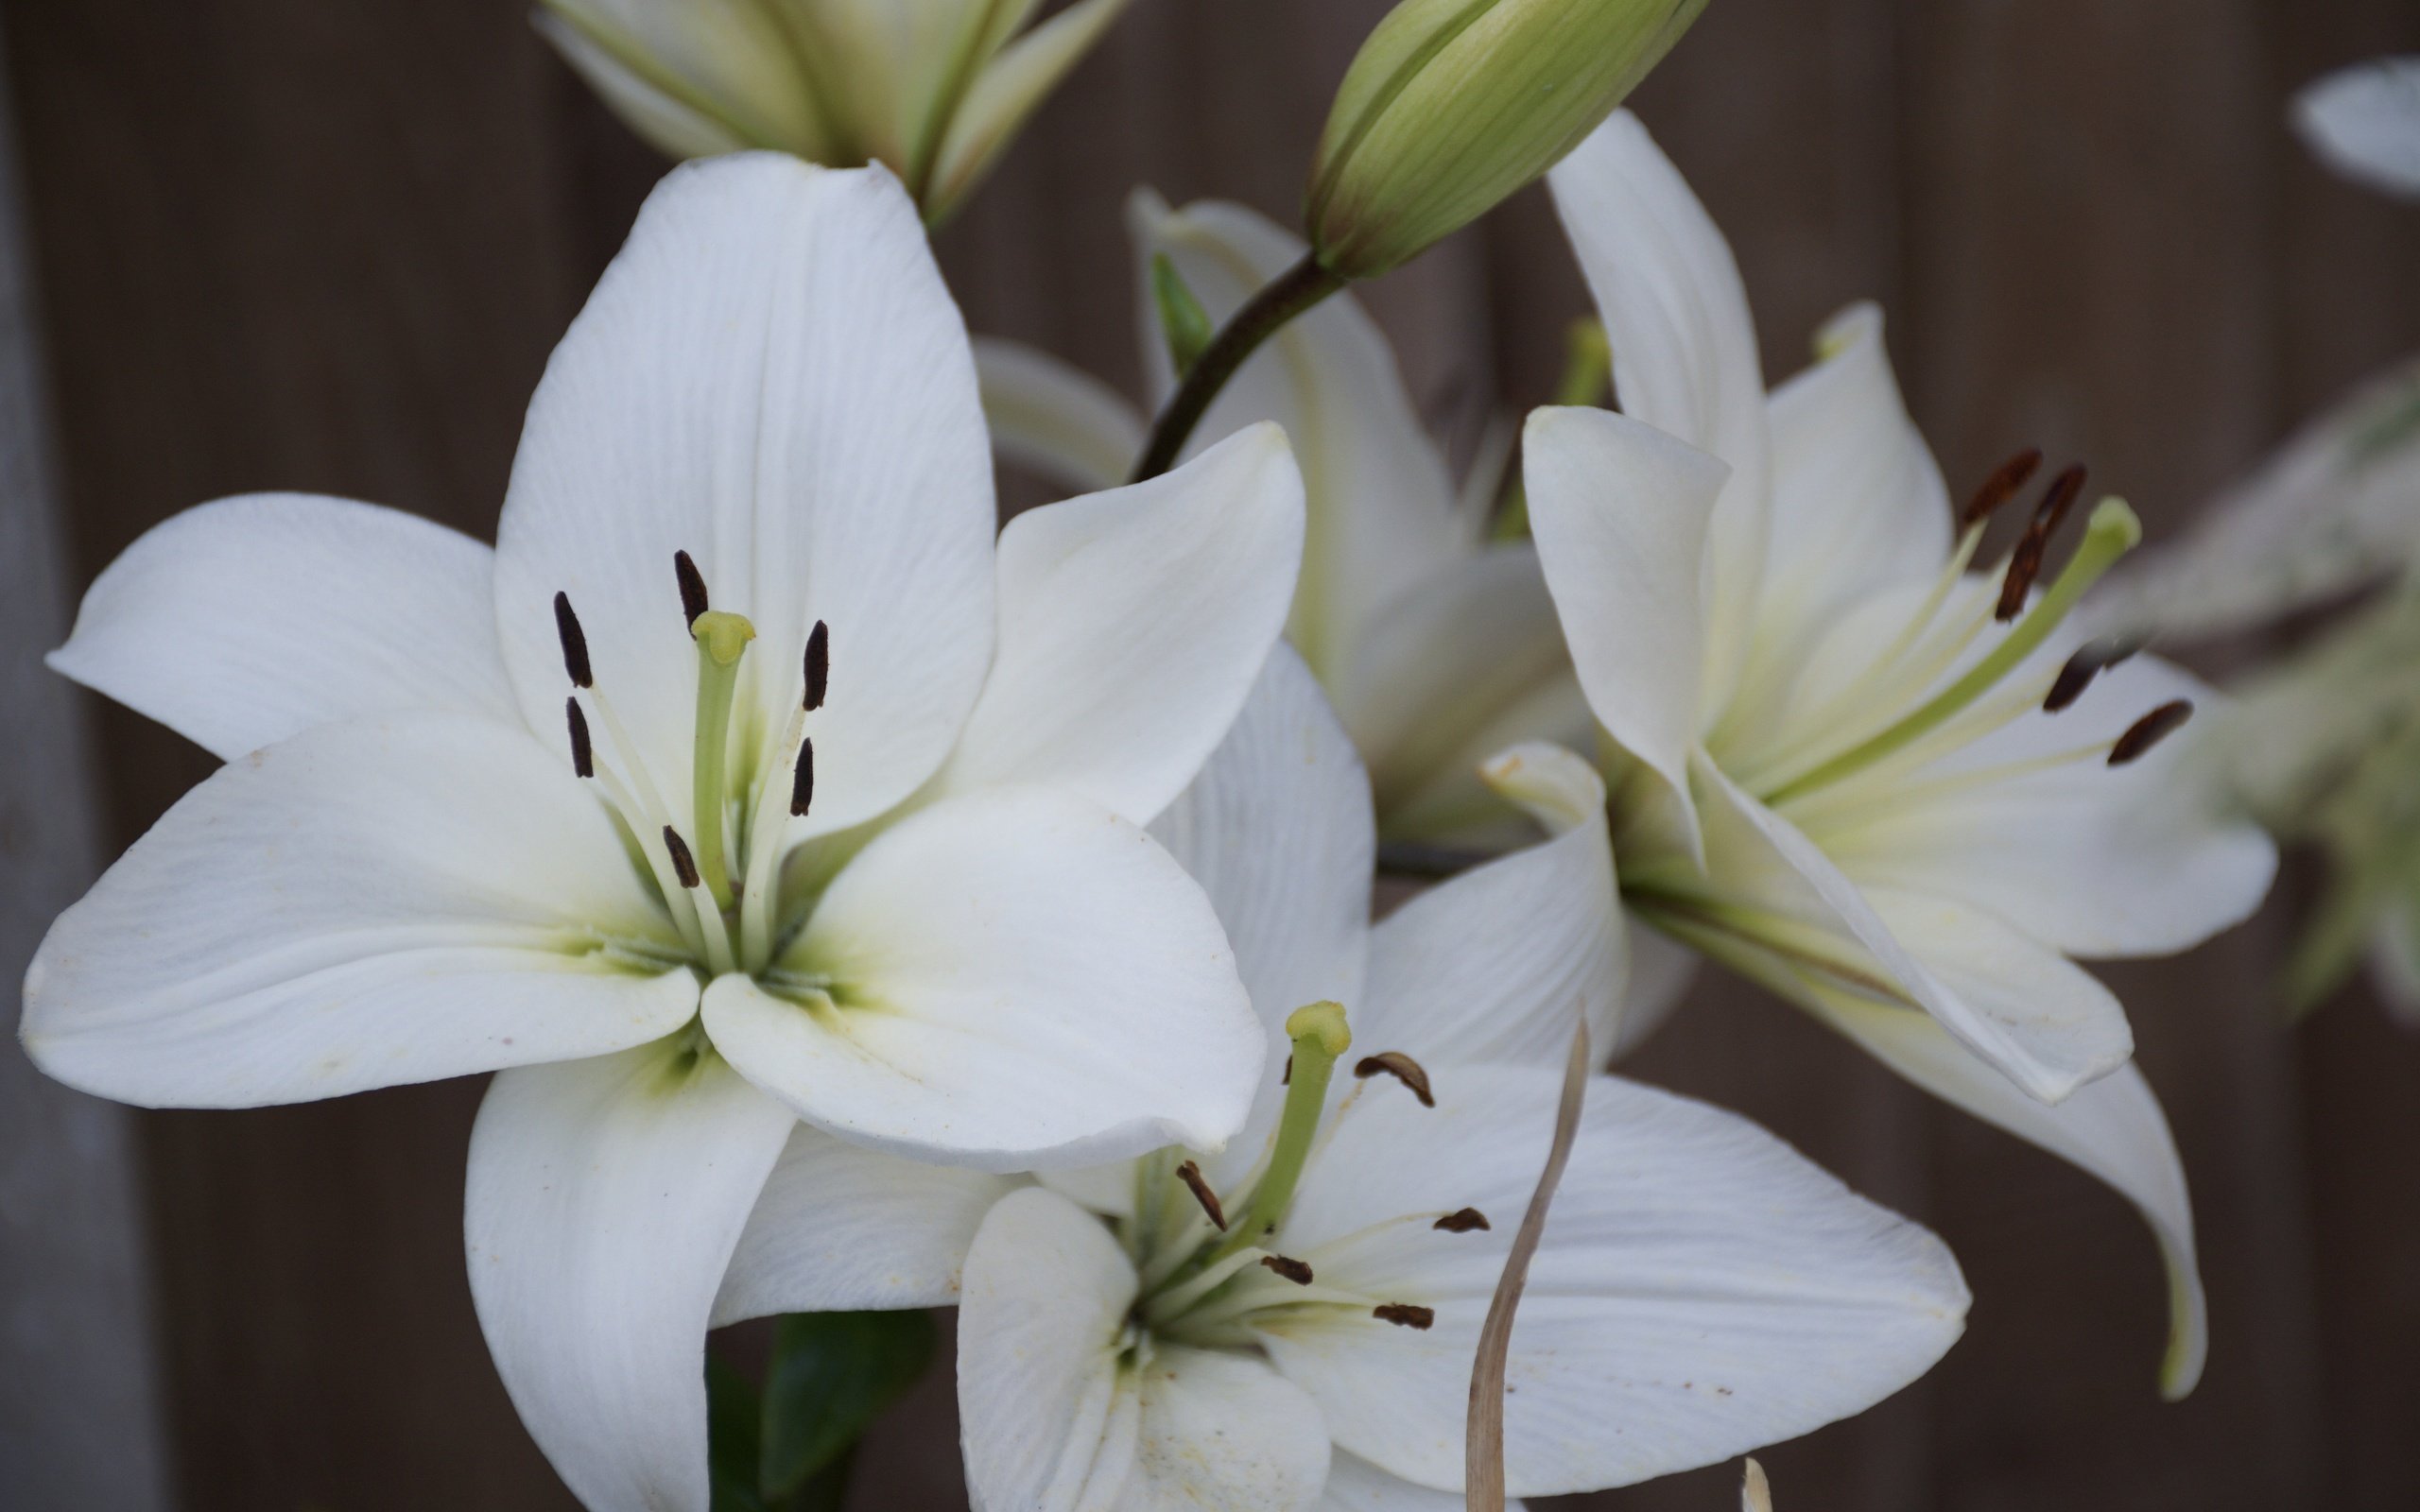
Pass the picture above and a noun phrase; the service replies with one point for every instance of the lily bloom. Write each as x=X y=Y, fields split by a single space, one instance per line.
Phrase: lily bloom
x=1292 y=1323
x=934 y=89
x=1438 y=645
x=1902 y=793
x=746 y=780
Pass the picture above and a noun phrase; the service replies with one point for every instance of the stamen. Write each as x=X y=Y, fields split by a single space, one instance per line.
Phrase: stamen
x=1321 y=1036
x=2025 y=563
x=803 y=781
x=693 y=587
x=1195 y=1182
x=2149 y=731
x=583 y=754
x=818 y=664
x=1462 y=1222
x=1293 y=1270
x=2091 y=660
x=684 y=866
x=1404 y=1315
x=575 y=644
x=2001 y=486
x=1403 y=1068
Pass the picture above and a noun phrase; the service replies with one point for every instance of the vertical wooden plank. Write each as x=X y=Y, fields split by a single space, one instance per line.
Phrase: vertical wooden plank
x=81 y=1420
x=293 y=245
x=2090 y=246
x=2352 y=305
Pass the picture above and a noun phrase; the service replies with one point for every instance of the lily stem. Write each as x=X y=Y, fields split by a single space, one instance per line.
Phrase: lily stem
x=1297 y=290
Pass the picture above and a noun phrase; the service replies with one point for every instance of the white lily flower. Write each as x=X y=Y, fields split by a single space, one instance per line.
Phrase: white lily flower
x=859 y=843
x=935 y=89
x=1438 y=646
x=2364 y=122
x=1700 y=1289
x=1835 y=767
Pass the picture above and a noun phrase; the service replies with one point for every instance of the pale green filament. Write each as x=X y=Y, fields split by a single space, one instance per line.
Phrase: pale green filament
x=722 y=640
x=2111 y=532
x=1320 y=1037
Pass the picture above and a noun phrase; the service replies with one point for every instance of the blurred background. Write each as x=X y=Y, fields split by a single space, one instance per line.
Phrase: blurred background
x=326 y=244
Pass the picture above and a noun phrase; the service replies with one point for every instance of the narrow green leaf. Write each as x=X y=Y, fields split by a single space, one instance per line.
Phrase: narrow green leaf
x=1185 y=323
x=832 y=1375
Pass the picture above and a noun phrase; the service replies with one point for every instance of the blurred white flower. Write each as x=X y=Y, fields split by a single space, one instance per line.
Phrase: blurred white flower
x=936 y=88
x=869 y=856
x=1700 y=1289
x=1438 y=646
x=1902 y=794
x=2364 y=122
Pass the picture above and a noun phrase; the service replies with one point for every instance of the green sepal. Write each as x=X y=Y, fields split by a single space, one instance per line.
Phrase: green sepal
x=1182 y=320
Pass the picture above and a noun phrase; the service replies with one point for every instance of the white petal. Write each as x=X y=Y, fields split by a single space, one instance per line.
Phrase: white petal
x=840 y=1229
x=1382 y=515
x=1132 y=625
x=772 y=378
x=654 y=108
x=694 y=77
x=1277 y=830
x=2113 y=1128
x=2090 y=861
x=1054 y=420
x=1499 y=963
x=1700 y=1289
x=1685 y=349
x=1428 y=685
x=604 y=1200
x=1016 y=980
x=2015 y=1002
x=244 y=622
x=2364 y=122
x=366 y=904
x=1010 y=87
x=1053 y=1419
x=1038 y=1330
x=1357 y=1486
x=1858 y=502
x=1661 y=971
x=1620 y=513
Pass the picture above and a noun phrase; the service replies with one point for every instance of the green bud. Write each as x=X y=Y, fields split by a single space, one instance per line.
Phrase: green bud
x=1454 y=104
x=1182 y=320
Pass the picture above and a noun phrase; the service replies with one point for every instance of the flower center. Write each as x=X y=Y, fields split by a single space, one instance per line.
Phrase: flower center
x=718 y=862
x=1205 y=1278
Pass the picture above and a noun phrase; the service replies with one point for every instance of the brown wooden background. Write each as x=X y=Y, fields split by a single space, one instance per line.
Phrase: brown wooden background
x=326 y=244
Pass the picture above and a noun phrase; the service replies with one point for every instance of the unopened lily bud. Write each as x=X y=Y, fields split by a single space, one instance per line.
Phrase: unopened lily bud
x=1454 y=104
x=936 y=88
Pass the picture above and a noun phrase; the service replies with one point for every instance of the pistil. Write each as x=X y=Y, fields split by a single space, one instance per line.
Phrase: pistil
x=722 y=641
x=1320 y=1036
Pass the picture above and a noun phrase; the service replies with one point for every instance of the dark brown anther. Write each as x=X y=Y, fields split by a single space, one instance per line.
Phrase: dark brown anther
x=818 y=664
x=2001 y=486
x=1462 y=1222
x=2025 y=563
x=1191 y=1175
x=1293 y=1270
x=1286 y=1077
x=693 y=586
x=2091 y=660
x=1404 y=1315
x=583 y=755
x=2149 y=731
x=684 y=866
x=575 y=644
x=803 y=781
x=1403 y=1068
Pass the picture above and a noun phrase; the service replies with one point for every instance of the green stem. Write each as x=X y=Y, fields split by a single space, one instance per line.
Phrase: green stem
x=1295 y=291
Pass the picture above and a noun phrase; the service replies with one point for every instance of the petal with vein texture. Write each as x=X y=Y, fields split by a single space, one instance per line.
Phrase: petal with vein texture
x=1132 y=625
x=366 y=904
x=1015 y=980
x=250 y=620
x=603 y=1201
x=1700 y=1288
x=1357 y=1486
x=772 y=378
x=841 y=1228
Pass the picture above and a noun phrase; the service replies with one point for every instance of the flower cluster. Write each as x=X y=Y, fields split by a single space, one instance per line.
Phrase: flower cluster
x=864 y=908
